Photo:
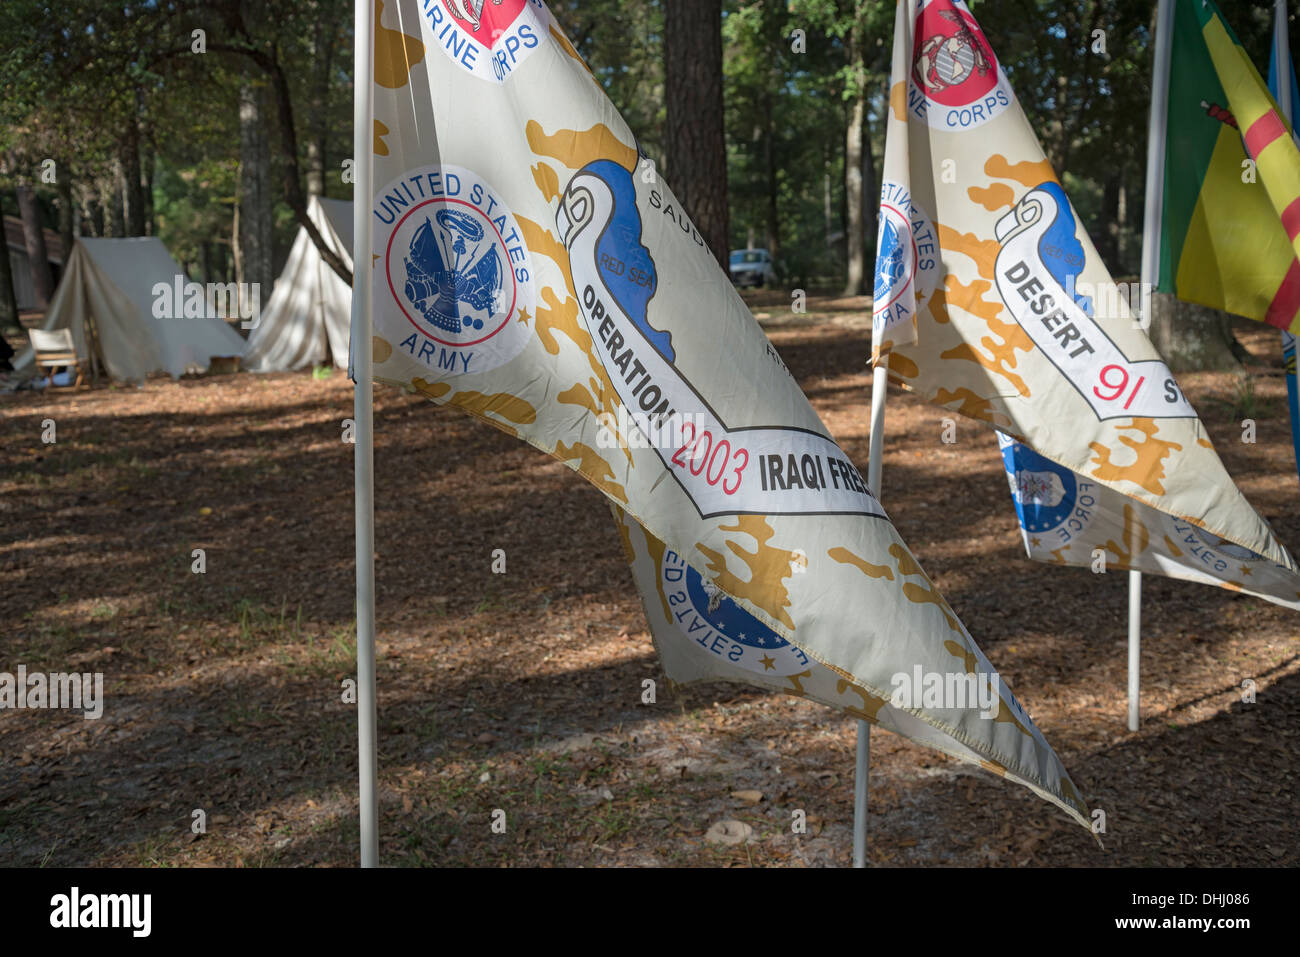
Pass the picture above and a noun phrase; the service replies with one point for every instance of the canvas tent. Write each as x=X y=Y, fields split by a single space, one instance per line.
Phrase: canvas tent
x=106 y=298
x=307 y=318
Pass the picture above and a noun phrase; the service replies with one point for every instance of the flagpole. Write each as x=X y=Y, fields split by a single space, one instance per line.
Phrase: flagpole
x=1155 y=185
x=363 y=414
x=1282 y=59
x=879 y=389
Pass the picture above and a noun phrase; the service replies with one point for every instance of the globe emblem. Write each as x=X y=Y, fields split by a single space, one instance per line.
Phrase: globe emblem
x=950 y=60
x=454 y=275
x=890 y=262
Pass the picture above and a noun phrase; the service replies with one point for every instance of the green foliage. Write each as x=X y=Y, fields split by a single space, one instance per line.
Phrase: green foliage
x=77 y=74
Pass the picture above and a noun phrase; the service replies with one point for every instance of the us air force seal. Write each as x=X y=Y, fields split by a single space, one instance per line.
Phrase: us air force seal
x=720 y=626
x=956 y=83
x=455 y=265
x=907 y=260
x=488 y=38
x=1051 y=500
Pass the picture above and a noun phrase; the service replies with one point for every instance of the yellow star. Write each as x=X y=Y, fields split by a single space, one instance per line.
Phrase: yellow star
x=1245 y=570
x=768 y=663
x=1036 y=543
x=523 y=316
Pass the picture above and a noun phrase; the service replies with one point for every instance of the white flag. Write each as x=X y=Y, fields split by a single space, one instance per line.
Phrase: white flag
x=990 y=299
x=534 y=270
x=1069 y=519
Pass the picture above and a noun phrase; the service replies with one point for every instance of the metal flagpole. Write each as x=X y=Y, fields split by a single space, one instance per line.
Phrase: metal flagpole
x=363 y=413
x=1282 y=60
x=1280 y=76
x=879 y=388
x=1155 y=194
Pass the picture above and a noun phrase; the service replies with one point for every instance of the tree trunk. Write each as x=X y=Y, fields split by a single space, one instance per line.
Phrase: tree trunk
x=318 y=109
x=773 y=184
x=92 y=211
x=697 y=160
x=129 y=180
x=827 y=215
x=1191 y=338
x=1121 y=225
x=146 y=190
x=854 y=284
x=8 y=298
x=870 y=197
x=236 y=251
x=206 y=262
x=1108 y=235
x=255 y=202
x=38 y=259
x=113 y=200
x=67 y=217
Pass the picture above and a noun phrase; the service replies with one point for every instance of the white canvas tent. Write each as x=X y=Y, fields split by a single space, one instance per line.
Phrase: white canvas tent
x=306 y=321
x=106 y=299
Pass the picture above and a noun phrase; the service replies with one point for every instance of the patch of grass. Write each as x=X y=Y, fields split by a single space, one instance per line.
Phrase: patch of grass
x=613 y=821
x=259 y=624
x=1245 y=403
x=50 y=647
x=103 y=611
x=154 y=852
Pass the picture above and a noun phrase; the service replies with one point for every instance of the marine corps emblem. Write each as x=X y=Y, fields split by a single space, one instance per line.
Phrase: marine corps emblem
x=956 y=82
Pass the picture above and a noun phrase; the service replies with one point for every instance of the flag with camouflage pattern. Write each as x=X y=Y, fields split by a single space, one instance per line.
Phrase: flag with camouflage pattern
x=990 y=300
x=532 y=269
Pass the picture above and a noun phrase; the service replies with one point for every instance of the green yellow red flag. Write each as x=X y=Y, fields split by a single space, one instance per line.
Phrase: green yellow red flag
x=1231 y=226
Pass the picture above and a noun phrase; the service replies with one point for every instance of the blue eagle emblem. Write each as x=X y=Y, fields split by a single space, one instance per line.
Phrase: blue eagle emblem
x=890 y=261
x=454 y=274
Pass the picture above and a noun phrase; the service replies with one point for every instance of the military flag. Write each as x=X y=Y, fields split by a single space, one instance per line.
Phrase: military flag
x=703 y=635
x=530 y=267
x=1069 y=519
x=990 y=299
x=1231 y=211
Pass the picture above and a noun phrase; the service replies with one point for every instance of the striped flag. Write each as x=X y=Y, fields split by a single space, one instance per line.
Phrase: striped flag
x=1231 y=220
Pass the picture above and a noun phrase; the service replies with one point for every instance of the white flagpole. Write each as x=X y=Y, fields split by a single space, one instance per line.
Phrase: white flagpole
x=879 y=388
x=363 y=413
x=1155 y=195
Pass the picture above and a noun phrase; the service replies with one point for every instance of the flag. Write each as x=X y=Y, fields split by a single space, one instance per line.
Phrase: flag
x=703 y=635
x=1231 y=214
x=532 y=268
x=1287 y=104
x=1067 y=519
x=990 y=299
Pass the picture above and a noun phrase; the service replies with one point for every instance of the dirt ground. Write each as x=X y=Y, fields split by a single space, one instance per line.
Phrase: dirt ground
x=522 y=691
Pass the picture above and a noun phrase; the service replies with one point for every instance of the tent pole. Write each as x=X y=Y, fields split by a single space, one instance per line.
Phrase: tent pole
x=1150 y=276
x=879 y=388
x=363 y=451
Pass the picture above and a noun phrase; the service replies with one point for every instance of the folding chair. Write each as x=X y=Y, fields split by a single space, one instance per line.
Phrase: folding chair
x=55 y=348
